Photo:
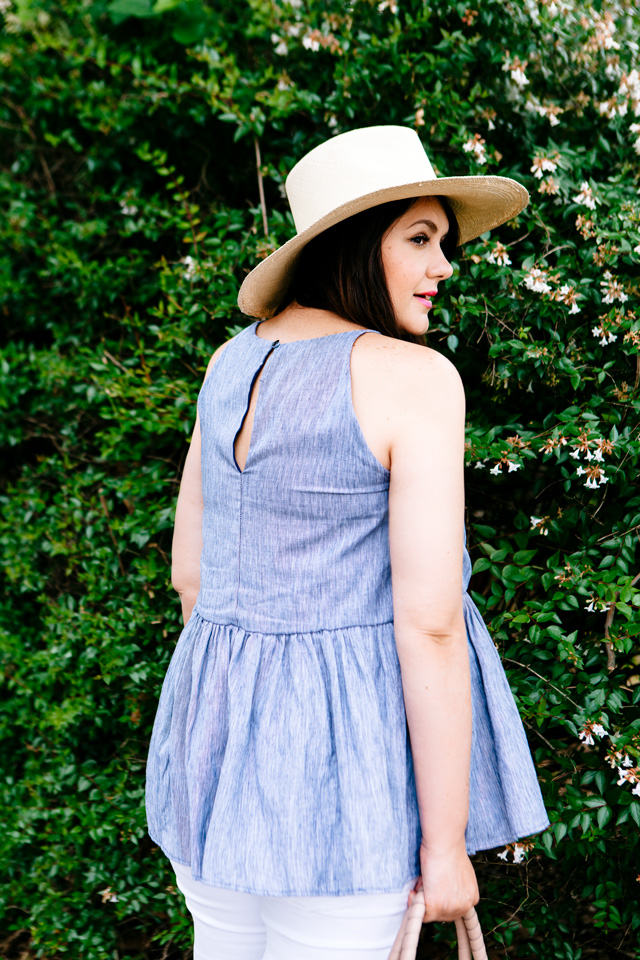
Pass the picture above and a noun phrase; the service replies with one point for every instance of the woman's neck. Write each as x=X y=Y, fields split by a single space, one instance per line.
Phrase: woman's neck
x=300 y=323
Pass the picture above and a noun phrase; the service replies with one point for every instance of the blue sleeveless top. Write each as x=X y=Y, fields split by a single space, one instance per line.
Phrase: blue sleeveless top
x=279 y=761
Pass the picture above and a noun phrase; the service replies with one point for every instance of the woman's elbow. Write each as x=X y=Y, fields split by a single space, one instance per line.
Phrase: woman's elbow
x=442 y=627
x=185 y=583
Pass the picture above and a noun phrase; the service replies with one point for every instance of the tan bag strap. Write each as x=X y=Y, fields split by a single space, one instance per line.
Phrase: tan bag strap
x=470 y=942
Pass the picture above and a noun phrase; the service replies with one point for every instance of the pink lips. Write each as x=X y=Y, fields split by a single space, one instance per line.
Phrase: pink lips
x=426 y=297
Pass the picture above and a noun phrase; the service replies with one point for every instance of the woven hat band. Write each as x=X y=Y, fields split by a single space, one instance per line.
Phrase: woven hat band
x=353 y=165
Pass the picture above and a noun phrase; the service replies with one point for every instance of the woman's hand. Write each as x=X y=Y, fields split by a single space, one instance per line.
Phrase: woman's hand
x=448 y=882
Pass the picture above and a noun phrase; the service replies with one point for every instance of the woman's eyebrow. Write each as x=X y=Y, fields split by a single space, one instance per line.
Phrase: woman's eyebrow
x=430 y=224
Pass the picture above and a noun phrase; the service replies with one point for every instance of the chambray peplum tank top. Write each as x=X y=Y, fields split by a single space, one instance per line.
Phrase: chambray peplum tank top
x=279 y=761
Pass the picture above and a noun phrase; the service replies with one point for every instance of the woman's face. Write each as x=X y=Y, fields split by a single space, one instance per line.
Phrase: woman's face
x=414 y=264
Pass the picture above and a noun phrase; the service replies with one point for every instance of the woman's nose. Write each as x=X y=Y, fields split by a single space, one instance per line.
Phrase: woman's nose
x=440 y=267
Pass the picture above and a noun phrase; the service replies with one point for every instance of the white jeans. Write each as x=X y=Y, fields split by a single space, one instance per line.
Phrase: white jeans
x=229 y=925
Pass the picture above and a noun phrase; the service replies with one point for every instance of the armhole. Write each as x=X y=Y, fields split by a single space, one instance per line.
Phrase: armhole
x=215 y=356
x=352 y=413
x=214 y=359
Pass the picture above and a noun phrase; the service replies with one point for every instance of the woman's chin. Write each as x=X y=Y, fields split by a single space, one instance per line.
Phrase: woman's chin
x=417 y=325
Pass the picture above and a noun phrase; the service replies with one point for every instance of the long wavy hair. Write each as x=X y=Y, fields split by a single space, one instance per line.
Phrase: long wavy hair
x=341 y=270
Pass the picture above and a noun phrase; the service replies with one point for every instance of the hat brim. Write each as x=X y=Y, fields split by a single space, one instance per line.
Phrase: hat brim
x=479 y=203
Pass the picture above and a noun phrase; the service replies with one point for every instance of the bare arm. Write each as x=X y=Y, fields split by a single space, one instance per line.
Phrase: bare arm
x=187 y=532
x=426 y=523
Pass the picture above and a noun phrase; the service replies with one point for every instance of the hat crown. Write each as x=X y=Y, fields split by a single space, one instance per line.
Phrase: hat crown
x=352 y=165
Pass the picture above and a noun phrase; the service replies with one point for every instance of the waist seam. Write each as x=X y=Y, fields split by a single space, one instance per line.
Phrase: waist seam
x=288 y=633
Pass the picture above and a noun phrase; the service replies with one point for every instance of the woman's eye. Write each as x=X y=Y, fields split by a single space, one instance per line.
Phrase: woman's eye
x=420 y=239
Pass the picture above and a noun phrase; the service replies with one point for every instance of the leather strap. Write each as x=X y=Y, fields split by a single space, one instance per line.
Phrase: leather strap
x=470 y=941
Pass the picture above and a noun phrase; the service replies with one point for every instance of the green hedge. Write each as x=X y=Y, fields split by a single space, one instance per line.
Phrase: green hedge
x=131 y=213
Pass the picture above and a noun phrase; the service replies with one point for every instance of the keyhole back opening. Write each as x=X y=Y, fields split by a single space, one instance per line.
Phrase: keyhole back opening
x=242 y=440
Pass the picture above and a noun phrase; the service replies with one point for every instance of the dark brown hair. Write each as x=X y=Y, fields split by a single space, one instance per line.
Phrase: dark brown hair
x=341 y=269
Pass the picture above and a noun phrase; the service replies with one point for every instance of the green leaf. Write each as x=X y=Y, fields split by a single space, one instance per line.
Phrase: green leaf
x=120 y=9
x=524 y=556
x=560 y=831
x=484 y=531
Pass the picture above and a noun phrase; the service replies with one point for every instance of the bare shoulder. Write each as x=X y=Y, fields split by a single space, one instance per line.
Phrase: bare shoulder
x=406 y=373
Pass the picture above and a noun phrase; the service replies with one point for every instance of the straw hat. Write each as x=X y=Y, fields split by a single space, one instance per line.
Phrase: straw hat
x=358 y=170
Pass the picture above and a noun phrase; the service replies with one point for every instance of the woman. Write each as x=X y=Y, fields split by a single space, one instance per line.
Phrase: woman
x=335 y=726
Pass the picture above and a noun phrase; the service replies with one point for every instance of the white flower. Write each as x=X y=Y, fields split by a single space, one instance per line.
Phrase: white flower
x=604 y=30
x=127 y=209
x=310 y=43
x=597 y=455
x=535 y=280
x=497 y=469
x=612 y=289
x=390 y=5
x=542 y=165
x=575 y=454
x=503 y=853
x=516 y=71
x=499 y=255
x=513 y=466
x=591 y=484
x=590 y=607
x=636 y=789
x=535 y=521
x=625 y=776
x=567 y=294
x=281 y=48
x=612 y=69
x=627 y=762
x=599 y=730
x=476 y=145
x=630 y=87
x=606 y=335
x=518 y=853
x=585 y=196
x=283 y=84
x=519 y=77
x=580 y=471
x=108 y=895
x=637 y=249
x=5 y=5
x=585 y=736
x=479 y=465
x=603 y=479
x=192 y=268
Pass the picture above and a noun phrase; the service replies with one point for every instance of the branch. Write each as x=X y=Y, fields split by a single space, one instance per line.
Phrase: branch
x=263 y=204
x=611 y=656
